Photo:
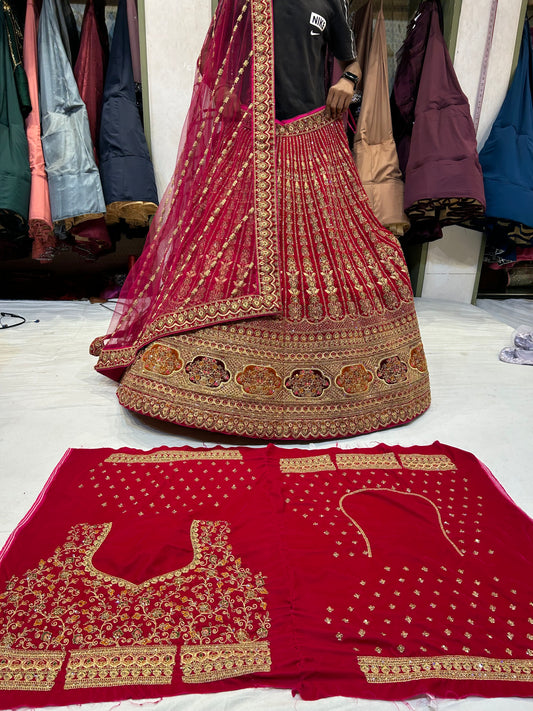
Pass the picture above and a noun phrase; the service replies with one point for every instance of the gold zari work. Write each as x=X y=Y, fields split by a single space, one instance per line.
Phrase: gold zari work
x=31 y=670
x=202 y=663
x=113 y=666
x=120 y=633
x=342 y=356
x=368 y=461
x=316 y=406
x=437 y=462
x=385 y=670
x=320 y=463
x=174 y=456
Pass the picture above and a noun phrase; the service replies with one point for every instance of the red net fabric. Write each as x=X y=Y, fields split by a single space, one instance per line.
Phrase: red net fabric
x=211 y=250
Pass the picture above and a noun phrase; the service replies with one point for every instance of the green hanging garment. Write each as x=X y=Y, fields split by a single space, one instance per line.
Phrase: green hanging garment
x=14 y=161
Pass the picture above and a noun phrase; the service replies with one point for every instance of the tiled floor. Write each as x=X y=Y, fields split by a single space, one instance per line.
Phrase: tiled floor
x=52 y=399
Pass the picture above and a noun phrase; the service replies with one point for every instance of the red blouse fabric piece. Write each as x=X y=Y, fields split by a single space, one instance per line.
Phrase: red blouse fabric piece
x=412 y=574
x=376 y=573
x=144 y=575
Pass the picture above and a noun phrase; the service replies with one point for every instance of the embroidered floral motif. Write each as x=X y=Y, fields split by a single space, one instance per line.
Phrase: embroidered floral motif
x=307 y=382
x=210 y=372
x=354 y=379
x=259 y=380
x=392 y=370
x=418 y=359
x=161 y=359
x=214 y=600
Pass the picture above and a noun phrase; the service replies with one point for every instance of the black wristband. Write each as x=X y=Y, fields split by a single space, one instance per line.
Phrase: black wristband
x=351 y=77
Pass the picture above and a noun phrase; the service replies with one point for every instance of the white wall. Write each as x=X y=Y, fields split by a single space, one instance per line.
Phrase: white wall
x=175 y=30
x=452 y=262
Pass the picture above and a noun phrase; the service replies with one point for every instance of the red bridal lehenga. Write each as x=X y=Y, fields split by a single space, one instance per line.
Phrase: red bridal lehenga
x=269 y=302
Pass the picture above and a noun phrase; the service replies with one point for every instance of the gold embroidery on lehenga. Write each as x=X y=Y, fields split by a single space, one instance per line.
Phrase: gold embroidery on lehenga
x=160 y=358
x=429 y=462
x=320 y=463
x=399 y=493
x=202 y=663
x=385 y=670
x=368 y=461
x=348 y=352
x=209 y=372
x=117 y=666
x=354 y=379
x=418 y=359
x=307 y=382
x=329 y=419
x=392 y=370
x=174 y=455
x=30 y=670
x=259 y=380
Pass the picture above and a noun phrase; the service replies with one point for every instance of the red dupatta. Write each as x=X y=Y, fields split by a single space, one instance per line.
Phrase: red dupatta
x=211 y=254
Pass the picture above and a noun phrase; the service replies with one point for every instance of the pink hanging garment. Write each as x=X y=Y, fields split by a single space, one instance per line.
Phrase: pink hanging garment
x=91 y=236
x=40 y=217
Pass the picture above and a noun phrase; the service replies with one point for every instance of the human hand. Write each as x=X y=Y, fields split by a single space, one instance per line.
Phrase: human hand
x=339 y=98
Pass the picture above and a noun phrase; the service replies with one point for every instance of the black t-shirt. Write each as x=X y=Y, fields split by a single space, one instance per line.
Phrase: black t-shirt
x=303 y=30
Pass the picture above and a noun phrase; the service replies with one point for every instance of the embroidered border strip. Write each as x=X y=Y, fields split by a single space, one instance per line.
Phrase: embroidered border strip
x=431 y=462
x=368 y=461
x=29 y=670
x=105 y=666
x=173 y=456
x=320 y=463
x=384 y=670
x=201 y=663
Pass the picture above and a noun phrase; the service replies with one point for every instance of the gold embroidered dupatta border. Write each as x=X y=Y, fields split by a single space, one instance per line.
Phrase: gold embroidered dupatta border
x=268 y=299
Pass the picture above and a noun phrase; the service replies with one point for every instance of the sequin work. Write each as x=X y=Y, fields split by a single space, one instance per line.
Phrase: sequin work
x=344 y=354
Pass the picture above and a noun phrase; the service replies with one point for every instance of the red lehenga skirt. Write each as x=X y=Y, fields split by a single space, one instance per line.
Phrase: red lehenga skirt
x=343 y=357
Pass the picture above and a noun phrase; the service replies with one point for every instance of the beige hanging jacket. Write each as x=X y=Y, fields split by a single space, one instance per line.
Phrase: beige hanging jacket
x=374 y=147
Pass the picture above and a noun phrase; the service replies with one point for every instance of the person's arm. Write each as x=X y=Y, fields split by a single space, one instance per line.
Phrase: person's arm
x=341 y=93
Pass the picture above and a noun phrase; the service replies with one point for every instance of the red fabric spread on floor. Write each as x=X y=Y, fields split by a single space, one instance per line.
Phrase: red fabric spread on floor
x=377 y=573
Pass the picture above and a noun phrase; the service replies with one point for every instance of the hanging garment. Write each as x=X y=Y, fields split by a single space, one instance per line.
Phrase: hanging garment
x=383 y=573
x=15 y=43
x=361 y=22
x=73 y=178
x=374 y=147
x=91 y=65
x=125 y=165
x=362 y=28
x=269 y=301
x=438 y=151
x=14 y=162
x=91 y=236
x=507 y=156
x=41 y=231
x=135 y=49
x=133 y=32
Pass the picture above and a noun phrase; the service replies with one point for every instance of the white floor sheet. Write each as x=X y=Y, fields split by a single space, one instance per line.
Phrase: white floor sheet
x=51 y=399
